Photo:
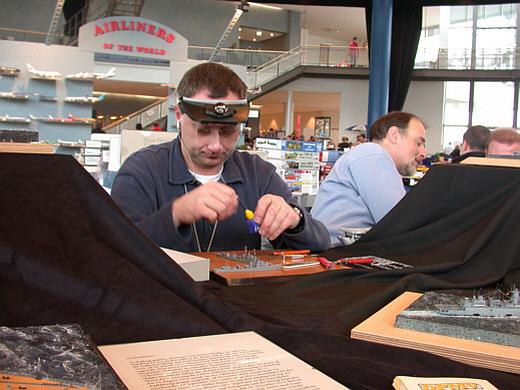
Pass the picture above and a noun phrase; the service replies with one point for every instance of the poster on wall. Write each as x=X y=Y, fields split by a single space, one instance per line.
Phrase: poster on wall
x=133 y=36
x=322 y=126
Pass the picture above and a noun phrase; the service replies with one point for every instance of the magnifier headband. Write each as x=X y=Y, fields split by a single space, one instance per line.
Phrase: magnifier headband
x=215 y=111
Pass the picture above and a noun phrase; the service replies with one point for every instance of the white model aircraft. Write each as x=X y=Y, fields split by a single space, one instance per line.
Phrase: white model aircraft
x=42 y=74
x=7 y=118
x=14 y=95
x=84 y=99
x=92 y=75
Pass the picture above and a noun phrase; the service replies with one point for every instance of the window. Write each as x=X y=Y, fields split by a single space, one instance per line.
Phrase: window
x=493 y=104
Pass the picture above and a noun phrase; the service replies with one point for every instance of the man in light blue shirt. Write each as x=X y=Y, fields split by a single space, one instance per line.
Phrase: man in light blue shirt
x=365 y=183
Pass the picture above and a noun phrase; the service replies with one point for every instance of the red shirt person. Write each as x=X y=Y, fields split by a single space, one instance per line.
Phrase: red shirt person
x=353 y=51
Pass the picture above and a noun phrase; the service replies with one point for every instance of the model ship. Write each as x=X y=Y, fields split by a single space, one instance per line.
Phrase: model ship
x=8 y=71
x=485 y=318
x=251 y=262
x=14 y=119
x=14 y=95
x=485 y=306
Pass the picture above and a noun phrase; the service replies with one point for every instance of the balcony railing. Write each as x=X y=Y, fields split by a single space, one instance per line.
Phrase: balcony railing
x=461 y=58
x=312 y=55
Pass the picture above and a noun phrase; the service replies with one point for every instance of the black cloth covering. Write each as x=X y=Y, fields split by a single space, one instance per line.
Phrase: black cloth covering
x=69 y=255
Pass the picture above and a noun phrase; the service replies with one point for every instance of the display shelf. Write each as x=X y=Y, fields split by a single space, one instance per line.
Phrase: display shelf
x=296 y=162
x=14 y=95
x=14 y=119
x=9 y=71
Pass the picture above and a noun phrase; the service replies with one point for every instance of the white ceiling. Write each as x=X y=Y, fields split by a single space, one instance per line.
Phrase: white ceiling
x=338 y=23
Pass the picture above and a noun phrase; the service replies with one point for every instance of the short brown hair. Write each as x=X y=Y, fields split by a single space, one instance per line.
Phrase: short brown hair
x=504 y=136
x=477 y=137
x=218 y=79
x=400 y=119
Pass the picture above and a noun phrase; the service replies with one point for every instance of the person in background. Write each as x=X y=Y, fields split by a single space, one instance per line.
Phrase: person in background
x=353 y=51
x=474 y=143
x=344 y=143
x=312 y=139
x=360 y=139
x=138 y=126
x=365 y=183
x=448 y=149
x=503 y=142
x=198 y=193
x=455 y=153
x=155 y=127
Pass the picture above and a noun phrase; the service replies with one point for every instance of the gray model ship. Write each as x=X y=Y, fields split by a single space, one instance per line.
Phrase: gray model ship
x=484 y=318
x=482 y=306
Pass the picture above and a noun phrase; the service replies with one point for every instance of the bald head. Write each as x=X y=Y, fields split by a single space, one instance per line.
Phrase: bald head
x=503 y=142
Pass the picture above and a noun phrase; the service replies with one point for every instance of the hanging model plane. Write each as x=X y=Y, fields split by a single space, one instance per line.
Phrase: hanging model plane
x=92 y=75
x=42 y=74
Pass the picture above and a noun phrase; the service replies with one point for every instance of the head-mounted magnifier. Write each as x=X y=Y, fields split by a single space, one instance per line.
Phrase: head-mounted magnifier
x=216 y=111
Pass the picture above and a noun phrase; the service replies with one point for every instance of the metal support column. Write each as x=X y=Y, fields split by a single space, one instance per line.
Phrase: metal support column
x=289 y=113
x=379 y=77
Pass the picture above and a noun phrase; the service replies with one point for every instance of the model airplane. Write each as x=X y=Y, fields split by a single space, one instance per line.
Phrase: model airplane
x=51 y=119
x=92 y=75
x=85 y=120
x=41 y=74
x=19 y=119
x=14 y=95
x=8 y=71
x=84 y=99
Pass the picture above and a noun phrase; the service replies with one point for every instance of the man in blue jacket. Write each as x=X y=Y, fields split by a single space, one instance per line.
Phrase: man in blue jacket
x=192 y=194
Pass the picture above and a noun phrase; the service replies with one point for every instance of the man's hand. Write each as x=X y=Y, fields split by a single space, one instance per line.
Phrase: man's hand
x=274 y=216
x=212 y=201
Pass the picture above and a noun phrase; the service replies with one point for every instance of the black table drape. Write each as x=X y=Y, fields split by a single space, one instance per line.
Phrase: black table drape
x=69 y=255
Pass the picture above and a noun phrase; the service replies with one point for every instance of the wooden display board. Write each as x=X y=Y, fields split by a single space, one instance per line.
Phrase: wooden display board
x=18 y=147
x=380 y=328
x=254 y=277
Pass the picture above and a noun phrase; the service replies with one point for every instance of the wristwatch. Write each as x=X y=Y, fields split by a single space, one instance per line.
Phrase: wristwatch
x=298 y=228
x=299 y=212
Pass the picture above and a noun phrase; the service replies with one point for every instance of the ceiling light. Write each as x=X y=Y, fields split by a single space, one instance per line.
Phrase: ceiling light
x=259 y=33
x=239 y=37
x=100 y=116
x=271 y=34
x=265 y=6
x=254 y=39
x=240 y=29
x=113 y=117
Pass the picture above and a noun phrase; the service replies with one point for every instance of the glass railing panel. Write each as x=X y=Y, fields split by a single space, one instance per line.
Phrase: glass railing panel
x=151 y=115
x=289 y=62
x=266 y=74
